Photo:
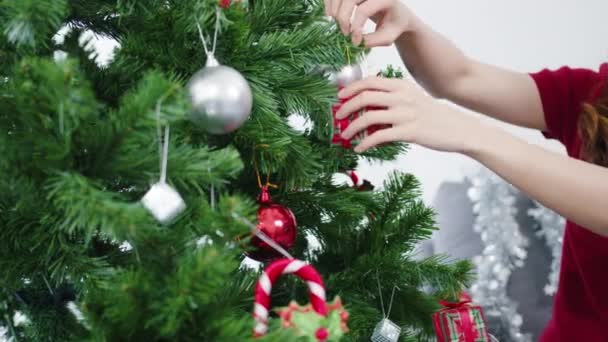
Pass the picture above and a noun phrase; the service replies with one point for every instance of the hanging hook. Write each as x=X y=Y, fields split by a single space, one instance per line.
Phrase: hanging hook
x=390 y=304
x=257 y=171
x=211 y=61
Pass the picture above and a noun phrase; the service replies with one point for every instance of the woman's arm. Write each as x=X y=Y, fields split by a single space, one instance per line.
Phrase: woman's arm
x=438 y=65
x=575 y=189
x=446 y=72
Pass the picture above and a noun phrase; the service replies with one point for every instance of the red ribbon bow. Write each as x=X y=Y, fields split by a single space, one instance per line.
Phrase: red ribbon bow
x=463 y=299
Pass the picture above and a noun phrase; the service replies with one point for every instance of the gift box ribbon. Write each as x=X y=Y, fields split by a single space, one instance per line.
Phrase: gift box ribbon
x=463 y=300
x=466 y=324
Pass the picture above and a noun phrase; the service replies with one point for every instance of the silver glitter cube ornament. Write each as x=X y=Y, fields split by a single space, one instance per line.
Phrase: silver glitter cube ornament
x=386 y=331
x=163 y=202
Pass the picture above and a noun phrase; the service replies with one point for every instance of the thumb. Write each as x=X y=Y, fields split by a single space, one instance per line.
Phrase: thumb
x=383 y=36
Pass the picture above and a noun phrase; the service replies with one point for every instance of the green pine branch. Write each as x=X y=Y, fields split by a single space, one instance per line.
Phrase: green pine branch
x=32 y=22
x=79 y=149
x=84 y=207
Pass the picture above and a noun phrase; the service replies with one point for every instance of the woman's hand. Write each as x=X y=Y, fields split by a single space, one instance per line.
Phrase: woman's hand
x=391 y=16
x=413 y=116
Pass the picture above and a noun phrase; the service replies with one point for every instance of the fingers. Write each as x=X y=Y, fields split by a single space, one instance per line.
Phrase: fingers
x=344 y=14
x=366 y=99
x=370 y=83
x=365 y=11
x=370 y=118
x=335 y=7
x=327 y=7
x=380 y=137
x=356 y=37
x=382 y=37
x=342 y=10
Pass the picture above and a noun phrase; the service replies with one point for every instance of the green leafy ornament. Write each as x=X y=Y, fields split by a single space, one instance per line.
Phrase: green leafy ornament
x=306 y=322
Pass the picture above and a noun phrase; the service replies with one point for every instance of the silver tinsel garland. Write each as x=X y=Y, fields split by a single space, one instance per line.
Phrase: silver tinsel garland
x=504 y=250
x=551 y=228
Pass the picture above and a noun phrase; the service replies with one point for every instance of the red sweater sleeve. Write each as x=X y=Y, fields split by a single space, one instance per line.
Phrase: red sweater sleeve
x=563 y=93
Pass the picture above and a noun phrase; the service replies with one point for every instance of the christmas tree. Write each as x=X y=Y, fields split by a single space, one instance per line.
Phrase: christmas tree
x=83 y=258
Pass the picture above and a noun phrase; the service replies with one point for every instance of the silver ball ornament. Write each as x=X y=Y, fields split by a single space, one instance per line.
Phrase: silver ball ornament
x=221 y=98
x=347 y=75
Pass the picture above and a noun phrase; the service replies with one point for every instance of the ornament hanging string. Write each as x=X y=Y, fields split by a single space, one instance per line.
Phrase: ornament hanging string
x=163 y=141
x=386 y=330
x=162 y=200
x=211 y=192
x=163 y=144
x=48 y=285
x=210 y=53
x=212 y=195
x=348 y=55
x=390 y=304
x=258 y=174
x=263 y=236
x=259 y=178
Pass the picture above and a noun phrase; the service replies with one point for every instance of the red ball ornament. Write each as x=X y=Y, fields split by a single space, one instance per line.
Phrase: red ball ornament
x=278 y=223
x=225 y=3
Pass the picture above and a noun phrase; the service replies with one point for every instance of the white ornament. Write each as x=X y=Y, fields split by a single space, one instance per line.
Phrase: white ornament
x=163 y=202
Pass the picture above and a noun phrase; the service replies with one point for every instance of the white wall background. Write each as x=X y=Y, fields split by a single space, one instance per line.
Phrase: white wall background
x=522 y=35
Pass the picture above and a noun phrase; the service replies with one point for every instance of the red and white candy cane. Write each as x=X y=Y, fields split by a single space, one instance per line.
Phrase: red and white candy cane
x=273 y=272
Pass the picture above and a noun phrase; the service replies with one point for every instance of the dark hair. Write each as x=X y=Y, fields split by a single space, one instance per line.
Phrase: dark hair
x=593 y=129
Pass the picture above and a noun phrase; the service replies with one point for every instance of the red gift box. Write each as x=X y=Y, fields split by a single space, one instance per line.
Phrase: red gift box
x=340 y=125
x=460 y=322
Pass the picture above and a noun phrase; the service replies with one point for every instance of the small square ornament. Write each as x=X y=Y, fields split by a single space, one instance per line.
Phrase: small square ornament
x=386 y=331
x=163 y=202
x=340 y=125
